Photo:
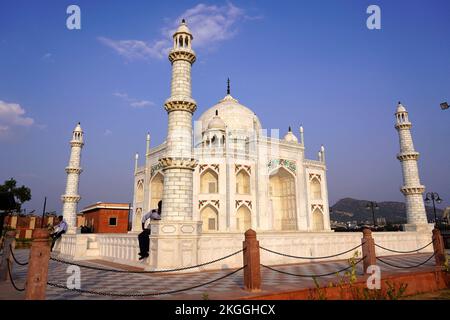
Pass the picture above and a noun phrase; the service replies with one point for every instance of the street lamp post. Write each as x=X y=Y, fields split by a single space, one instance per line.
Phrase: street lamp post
x=374 y=206
x=433 y=196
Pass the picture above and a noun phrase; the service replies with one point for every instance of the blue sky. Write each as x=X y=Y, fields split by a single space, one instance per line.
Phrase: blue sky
x=293 y=62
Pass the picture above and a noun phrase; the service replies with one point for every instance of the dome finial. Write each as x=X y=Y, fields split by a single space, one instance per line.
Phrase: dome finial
x=228 y=86
x=217 y=113
x=183 y=20
x=290 y=129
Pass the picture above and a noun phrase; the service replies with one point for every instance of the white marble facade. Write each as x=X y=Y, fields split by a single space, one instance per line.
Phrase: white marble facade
x=245 y=177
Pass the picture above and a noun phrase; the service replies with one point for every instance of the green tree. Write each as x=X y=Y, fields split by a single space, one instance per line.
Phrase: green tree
x=21 y=194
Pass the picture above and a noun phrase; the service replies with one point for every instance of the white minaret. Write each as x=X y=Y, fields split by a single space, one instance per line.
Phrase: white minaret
x=178 y=162
x=412 y=188
x=71 y=198
x=174 y=238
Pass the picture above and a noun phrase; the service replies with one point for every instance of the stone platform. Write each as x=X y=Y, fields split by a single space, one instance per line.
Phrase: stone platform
x=228 y=288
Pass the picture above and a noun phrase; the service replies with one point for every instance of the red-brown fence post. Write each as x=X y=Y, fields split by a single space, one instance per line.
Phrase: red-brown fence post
x=438 y=247
x=38 y=266
x=8 y=243
x=252 y=271
x=368 y=249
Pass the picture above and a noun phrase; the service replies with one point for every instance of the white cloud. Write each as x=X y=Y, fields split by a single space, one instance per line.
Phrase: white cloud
x=135 y=103
x=12 y=115
x=209 y=24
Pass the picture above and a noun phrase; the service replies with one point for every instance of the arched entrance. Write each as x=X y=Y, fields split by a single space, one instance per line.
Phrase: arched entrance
x=156 y=191
x=317 y=220
x=283 y=197
x=210 y=219
x=243 y=219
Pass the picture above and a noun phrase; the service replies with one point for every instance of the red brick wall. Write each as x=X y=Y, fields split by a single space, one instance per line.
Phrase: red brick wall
x=101 y=217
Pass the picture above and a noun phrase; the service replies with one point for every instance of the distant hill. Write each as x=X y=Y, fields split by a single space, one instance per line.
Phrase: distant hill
x=349 y=209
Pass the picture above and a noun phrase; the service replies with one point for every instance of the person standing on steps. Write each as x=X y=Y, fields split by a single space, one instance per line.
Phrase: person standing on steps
x=144 y=236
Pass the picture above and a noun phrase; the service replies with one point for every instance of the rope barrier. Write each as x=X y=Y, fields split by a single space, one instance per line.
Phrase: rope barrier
x=113 y=294
x=298 y=257
x=144 y=271
x=397 y=251
x=312 y=275
x=10 y=277
x=406 y=267
x=14 y=257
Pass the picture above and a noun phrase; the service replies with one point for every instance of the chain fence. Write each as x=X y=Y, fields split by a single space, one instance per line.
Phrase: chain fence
x=15 y=259
x=310 y=258
x=145 y=271
x=313 y=275
x=405 y=267
x=138 y=294
x=398 y=251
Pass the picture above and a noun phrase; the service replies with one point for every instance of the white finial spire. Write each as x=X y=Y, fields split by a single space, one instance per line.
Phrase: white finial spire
x=302 y=139
x=322 y=151
x=136 y=158
x=147 y=153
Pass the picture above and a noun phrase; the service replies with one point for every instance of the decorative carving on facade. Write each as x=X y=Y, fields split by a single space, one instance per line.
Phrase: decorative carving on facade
x=247 y=168
x=238 y=203
x=288 y=164
x=155 y=168
x=214 y=203
x=214 y=167
x=315 y=176
x=317 y=206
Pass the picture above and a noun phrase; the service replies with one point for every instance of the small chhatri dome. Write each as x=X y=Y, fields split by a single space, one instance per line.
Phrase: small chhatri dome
x=216 y=122
x=183 y=28
x=78 y=128
x=290 y=137
x=400 y=107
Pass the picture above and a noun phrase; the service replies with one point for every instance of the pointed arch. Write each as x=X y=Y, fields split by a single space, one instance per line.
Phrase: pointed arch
x=243 y=218
x=317 y=220
x=242 y=182
x=137 y=219
x=140 y=191
x=210 y=218
x=316 y=189
x=156 y=190
x=282 y=193
x=209 y=181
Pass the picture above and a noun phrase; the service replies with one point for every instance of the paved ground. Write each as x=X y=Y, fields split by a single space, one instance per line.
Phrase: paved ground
x=230 y=287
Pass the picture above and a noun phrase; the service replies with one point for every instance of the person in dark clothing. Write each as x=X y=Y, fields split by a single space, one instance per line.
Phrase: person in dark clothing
x=144 y=236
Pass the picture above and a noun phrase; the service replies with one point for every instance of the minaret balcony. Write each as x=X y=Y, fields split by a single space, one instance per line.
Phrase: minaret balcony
x=178 y=163
x=180 y=103
x=182 y=54
x=403 y=156
x=73 y=170
x=404 y=125
x=412 y=190
x=70 y=198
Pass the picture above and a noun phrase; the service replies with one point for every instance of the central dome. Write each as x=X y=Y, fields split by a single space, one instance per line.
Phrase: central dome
x=235 y=116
